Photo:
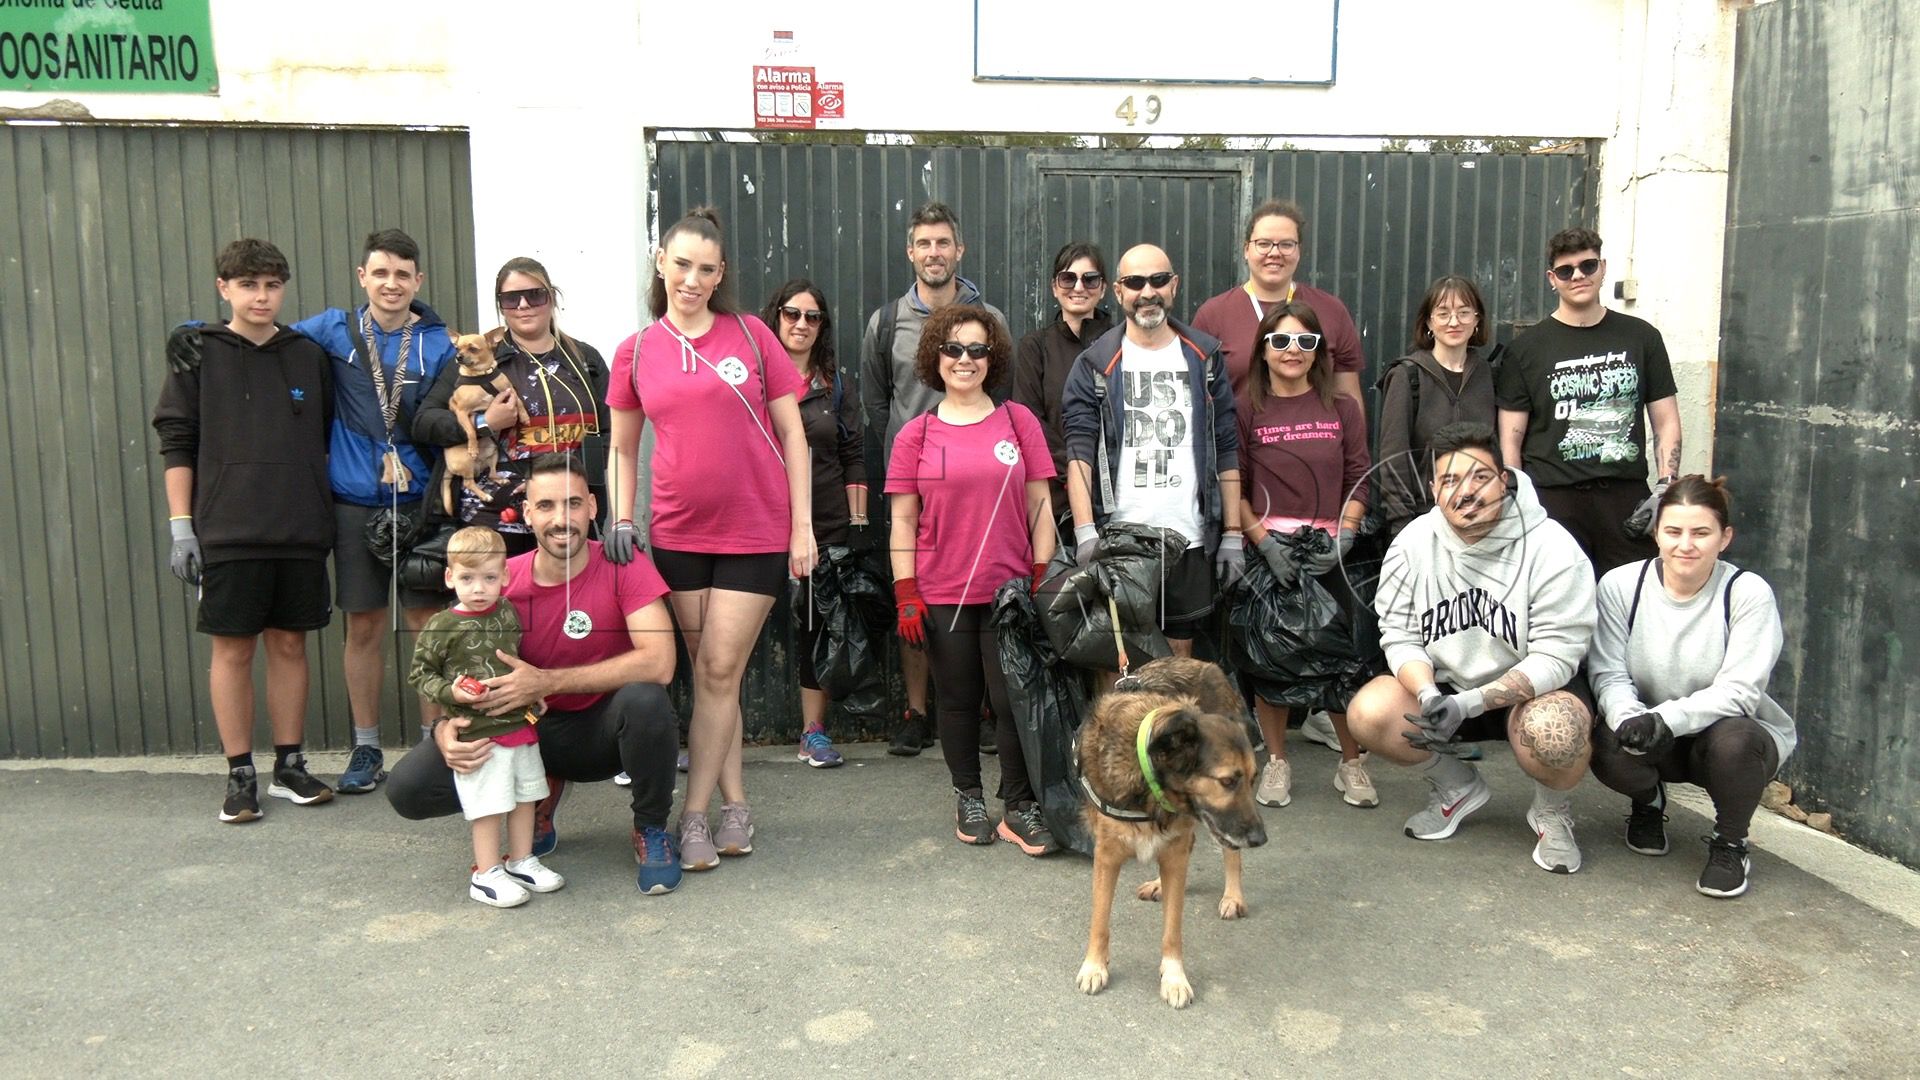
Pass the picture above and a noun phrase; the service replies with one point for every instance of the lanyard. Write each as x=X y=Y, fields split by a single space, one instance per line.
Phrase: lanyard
x=1258 y=314
x=389 y=397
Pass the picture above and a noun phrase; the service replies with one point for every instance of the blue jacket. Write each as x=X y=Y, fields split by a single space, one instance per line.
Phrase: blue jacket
x=359 y=436
x=1095 y=375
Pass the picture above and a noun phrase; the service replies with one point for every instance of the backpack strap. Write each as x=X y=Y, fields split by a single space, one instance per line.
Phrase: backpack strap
x=1726 y=602
x=760 y=364
x=1639 y=584
x=1100 y=404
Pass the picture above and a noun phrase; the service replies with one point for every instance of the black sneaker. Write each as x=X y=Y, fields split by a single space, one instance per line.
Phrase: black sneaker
x=243 y=797
x=1647 y=827
x=293 y=782
x=1025 y=828
x=970 y=821
x=915 y=735
x=989 y=733
x=1727 y=864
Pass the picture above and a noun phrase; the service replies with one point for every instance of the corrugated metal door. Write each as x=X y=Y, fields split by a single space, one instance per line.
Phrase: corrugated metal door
x=1381 y=227
x=108 y=239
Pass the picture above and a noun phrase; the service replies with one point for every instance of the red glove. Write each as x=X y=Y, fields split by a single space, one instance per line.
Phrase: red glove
x=1039 y=571
x=912 y=609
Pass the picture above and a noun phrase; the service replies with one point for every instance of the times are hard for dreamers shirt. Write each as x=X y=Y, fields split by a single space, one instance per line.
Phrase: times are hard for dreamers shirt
x=580 y=621
x=719 y=484
x=1302 y=461
x=1158 y=485
x=972 y=481
x=1585 y=389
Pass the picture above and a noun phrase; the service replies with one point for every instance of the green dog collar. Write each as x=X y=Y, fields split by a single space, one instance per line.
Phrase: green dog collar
x=1146 y=767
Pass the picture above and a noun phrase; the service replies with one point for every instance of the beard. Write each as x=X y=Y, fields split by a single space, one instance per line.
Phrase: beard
x=1147 y=315
x=936 y=277
x=563 y=542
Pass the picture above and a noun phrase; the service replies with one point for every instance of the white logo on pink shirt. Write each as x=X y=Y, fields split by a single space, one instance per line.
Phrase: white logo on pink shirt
x=1006 y=452
x=578 y=625
x=732 y=371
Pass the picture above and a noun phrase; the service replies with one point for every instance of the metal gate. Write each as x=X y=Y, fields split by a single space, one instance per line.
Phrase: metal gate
x=1381 y=227
x=108 y=239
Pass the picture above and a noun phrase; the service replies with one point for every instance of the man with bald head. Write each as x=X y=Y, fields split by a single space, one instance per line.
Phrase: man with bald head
x=1148 y=414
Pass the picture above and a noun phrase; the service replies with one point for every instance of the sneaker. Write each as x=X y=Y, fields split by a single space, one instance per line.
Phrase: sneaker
x=1276 y=783
x=532 y=875
x=1318 y=727
x=817 y=750
x=696 y=843
x=294 y=783
x=243 y=797
x=364 y=771
x=1447 y=807
x=1026 y=829
x=735 y=834
x=989 y=733
x=915 y=735
x=970 y=822
x=658 y=855
x=1352 y=781
x=1555 y=852
x=546 y=837
x=623 y=778
x=496 y=887
x=1728 y=862
x=1647 y=827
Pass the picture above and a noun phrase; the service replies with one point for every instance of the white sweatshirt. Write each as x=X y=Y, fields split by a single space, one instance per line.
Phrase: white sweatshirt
x=1522 y=597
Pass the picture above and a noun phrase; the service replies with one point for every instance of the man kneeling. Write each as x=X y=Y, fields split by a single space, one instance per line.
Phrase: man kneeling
x=1486 y=608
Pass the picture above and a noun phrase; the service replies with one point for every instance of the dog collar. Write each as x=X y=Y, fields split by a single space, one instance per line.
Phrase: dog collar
x=1146 y=766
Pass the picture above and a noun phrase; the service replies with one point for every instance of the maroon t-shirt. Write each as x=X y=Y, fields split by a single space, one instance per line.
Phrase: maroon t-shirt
x=1301 y=461
x=1234 y=317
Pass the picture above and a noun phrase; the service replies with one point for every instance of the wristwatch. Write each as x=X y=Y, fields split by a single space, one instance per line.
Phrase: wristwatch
x=480 y=422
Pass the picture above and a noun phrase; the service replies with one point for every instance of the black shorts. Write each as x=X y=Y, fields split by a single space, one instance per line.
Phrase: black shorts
x=1185 y=594
x=364 y=584
x=242 y=597
x=1492 y=725
x=690 y=571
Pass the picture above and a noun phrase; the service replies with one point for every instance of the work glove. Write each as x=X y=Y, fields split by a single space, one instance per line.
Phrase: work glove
x=1441 y=716
x=912 y=611
x=1230 y=561
x=1279 y=560
x=1639 y=524
x=1645 y=733
x=623 y=542
x=184 y=560
x=183 y=348
x=1317 y=562
x=1085 y=538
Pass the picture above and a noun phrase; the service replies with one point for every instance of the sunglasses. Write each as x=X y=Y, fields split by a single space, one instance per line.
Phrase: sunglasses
x=533 y=298
x=1281 y=341
x=1585 y=266
x=794 y=315
x=1136 y=282
x=954 y=350
x=1092 y=279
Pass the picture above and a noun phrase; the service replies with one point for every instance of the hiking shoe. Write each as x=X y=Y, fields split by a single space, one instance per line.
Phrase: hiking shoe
x=658 y=854
x=989 y=733
x=546 y=837
x=1447 y=807
x=1276 y=783
x=1728 y=862
x=1555 y=852
x=1647 y=827
x=1024 y=828
x=243 y=797
x=294 y=783
x=364 y=771
x=1318 y=727
x=970 y=822
x=623 y=778
x=735 y=834
x=696 y=843
x=817 y=750
x=1352 y=781
x=915 y=735
x=496 y=888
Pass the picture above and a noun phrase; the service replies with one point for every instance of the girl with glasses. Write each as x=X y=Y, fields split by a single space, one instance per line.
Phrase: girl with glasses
x=1445 y=378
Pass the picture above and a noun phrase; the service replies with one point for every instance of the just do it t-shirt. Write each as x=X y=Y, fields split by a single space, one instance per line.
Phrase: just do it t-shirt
x=719 y=485
x=1158 y=485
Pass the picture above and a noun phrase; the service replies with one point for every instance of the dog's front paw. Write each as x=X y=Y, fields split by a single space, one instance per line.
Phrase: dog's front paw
x=1092 y=978
x=1232 y=907
x=1149 y=891
x=1175 y=990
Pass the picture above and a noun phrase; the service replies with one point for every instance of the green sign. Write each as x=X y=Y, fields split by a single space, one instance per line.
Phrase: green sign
x=111 y=46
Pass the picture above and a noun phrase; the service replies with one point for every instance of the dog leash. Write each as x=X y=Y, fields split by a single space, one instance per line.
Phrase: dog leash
x=1141 y=738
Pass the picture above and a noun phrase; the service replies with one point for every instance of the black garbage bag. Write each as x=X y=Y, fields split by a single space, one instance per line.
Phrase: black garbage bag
x=852 y=606
x=1073 y=602
x=1297 y=645
x=1047 y=700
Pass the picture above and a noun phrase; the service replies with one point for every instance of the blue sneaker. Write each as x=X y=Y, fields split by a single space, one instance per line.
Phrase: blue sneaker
x=658 y=854
x=817 y=750
x=364 y=771
x=545 y=836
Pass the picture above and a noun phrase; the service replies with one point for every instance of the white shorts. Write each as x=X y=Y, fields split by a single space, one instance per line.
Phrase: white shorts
x=511 y=775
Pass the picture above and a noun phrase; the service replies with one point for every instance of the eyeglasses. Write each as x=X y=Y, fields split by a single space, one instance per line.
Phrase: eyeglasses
x=1067 y=279
x=1281 y=341
x=793 y=314
x=1585 y=266
x=533 y=298
x=1136 y=282
x=1463 y=315
x=954 y=350
x=1267 y=247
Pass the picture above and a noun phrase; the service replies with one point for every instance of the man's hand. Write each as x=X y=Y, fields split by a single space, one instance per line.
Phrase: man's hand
x=1278 y=559
x=1639 y=524
x=1085 y=539
x=1317 y=563
x=183 y=349
x=184 y=560
x=912 y=611
x=462 y=757
x=519 y=688
x=1441 y=716
x=1645 y=733
x=1230 y=562
x=623 y=541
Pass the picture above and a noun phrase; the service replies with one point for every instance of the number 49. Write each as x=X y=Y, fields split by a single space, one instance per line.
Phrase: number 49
x=1126 y=110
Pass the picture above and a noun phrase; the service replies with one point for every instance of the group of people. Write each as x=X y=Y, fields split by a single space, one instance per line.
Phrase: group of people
x=1508 y=484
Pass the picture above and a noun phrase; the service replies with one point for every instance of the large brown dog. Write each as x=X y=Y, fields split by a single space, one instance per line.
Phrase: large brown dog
x=479 y=382
x=1203 y=767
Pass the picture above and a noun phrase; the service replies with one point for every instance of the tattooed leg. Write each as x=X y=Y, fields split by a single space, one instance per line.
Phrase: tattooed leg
x=1550 y=739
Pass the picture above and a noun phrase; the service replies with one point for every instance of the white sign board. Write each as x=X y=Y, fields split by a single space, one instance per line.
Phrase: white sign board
x=1150 y=41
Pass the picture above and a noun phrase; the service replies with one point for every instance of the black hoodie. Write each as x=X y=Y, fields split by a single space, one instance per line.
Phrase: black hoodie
x=1443 y=398
x=252 y=422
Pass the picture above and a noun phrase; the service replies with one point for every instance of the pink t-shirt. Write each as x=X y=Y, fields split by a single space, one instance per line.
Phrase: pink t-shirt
x=1231 y=317
x=972 y=481
x=719 y=486
x=580 y=621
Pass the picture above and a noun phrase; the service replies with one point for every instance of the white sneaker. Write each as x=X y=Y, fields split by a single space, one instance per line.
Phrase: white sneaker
x=495 y=887
x=1447 y=807
x=1318 y=727
x=1276 y=783
x=1555 y=852
x=1352 y=781
x=533 y=876
x=623 y=779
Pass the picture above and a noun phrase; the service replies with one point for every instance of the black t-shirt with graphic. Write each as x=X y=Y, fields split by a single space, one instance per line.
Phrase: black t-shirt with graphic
x=1585 y=390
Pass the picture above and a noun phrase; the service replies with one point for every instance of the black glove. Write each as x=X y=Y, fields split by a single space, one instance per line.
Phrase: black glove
x=1645 y=733
x=184 y=559
x=1085 y=539
x=183 y=349
x=1639 y=524
x=1229 y=562
x=623 y=542
x=1319 y=562
x=1278 y=559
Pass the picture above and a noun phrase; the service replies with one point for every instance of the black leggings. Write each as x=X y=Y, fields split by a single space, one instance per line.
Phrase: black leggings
x=964 y=653
x=1733 y=759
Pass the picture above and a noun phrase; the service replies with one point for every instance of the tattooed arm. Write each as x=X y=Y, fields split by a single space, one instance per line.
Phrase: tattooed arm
x=1665 y=415
x=1507 y=691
